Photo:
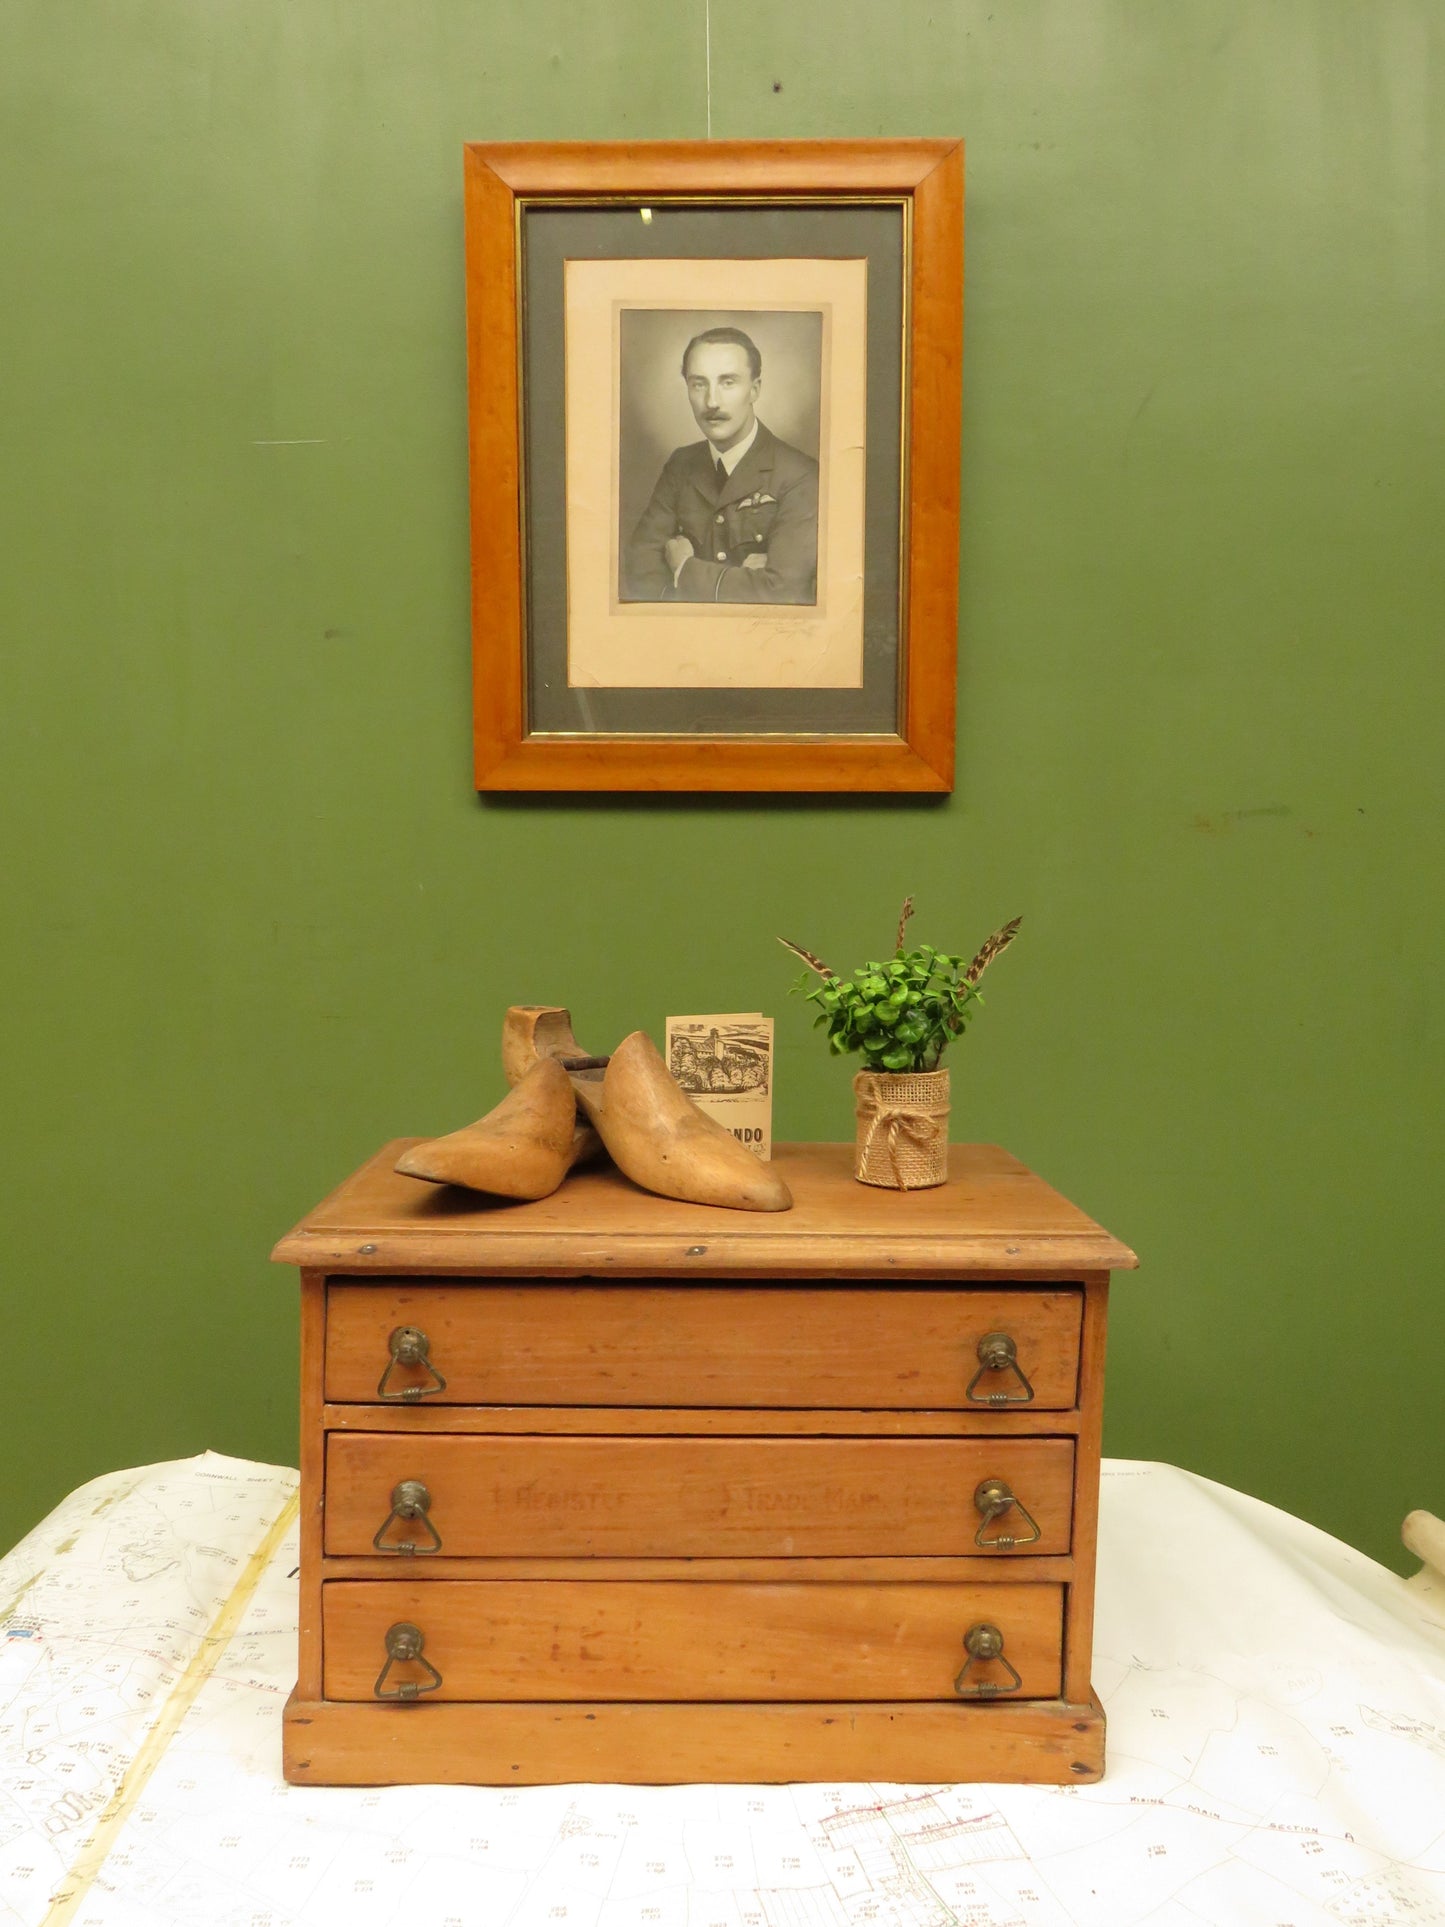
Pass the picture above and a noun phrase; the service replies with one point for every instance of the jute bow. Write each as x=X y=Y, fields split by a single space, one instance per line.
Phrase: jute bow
x=920 y=1127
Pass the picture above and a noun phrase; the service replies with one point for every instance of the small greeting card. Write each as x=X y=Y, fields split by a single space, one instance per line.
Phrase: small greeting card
x=725 y=1064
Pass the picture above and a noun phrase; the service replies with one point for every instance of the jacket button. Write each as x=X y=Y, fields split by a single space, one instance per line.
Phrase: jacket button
x=717 y=518
x=722 y=555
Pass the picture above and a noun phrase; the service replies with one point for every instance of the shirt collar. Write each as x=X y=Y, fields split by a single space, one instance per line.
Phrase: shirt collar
x=730 y=457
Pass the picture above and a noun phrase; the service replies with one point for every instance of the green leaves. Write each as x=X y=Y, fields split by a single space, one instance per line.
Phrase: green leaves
x=899 y=1015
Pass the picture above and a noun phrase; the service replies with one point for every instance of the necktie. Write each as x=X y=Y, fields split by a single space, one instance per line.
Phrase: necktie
x=720 y=466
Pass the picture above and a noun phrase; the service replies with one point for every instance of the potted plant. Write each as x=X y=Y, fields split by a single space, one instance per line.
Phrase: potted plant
x=900 y=1017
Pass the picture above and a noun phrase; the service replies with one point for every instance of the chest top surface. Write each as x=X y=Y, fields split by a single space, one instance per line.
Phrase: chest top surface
x=994 y=1216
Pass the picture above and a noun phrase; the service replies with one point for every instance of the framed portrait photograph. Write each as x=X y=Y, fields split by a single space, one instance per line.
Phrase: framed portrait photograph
x=714 y=398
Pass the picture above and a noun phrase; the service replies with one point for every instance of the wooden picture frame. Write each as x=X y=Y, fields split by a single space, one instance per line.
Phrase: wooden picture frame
x=605 y=659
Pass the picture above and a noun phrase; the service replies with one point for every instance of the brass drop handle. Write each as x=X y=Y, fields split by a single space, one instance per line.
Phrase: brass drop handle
x=404 y=1644
x=997 y=1352
x=984 y=1645
x=409 y=1500
x=410 y=1347
x=995 y=1497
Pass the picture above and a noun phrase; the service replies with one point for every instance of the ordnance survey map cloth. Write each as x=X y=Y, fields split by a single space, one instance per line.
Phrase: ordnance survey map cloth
x=1276 y=1753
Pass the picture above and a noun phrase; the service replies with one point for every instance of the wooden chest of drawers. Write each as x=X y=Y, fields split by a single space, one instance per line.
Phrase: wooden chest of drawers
x=613 y=1488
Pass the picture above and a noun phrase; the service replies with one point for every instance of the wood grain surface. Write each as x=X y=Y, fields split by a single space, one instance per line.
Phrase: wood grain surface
x=607 y=1640
x=717 y=1421
x=500 y=180
x=644 y=1497
x=978 y=1569
x=705 y=1488
x=1047 y=1742
x=993 y=1219
x=624 y=1344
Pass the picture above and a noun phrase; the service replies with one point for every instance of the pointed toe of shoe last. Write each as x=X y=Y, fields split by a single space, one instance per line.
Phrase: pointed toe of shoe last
x=662 y=1141
x=521 y=1149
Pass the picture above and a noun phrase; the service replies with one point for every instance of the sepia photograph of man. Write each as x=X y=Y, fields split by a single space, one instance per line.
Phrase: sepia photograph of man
x=733 y=517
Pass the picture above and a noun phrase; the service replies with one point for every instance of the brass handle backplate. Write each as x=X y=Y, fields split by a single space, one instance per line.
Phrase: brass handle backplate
x=997 y=1352
x=984 y=1645
x=410 y=1347
x=993 y=1498
x=409 y=1500
x=404 y=1643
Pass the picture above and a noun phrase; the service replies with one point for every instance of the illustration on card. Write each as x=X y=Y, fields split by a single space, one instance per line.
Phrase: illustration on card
x=725 y=1064
x=714 y=1059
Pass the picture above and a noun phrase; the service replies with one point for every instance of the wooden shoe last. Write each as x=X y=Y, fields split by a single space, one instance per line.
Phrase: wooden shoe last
x=530 y=1031
x=659 y=1138
x=521 y=1149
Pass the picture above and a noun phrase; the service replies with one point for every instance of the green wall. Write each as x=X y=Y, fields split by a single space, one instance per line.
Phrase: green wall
x=257 y=920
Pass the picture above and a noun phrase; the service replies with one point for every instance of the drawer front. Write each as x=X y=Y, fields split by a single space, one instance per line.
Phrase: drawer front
x=685 y=1640
x=885 y=1348
x=541 y=1497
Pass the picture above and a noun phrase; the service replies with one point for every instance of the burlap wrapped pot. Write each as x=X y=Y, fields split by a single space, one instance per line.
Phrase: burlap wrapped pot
x=902 y=1128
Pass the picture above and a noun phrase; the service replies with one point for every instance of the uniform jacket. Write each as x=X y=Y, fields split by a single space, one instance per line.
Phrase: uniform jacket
x=767 y=506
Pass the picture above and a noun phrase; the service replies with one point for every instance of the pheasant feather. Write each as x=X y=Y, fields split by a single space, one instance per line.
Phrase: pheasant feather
x=903 y=916
x=1000 y=940
x=813 y=963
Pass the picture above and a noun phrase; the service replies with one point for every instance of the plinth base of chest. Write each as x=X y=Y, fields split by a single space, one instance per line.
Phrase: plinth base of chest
x=332 y=1743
